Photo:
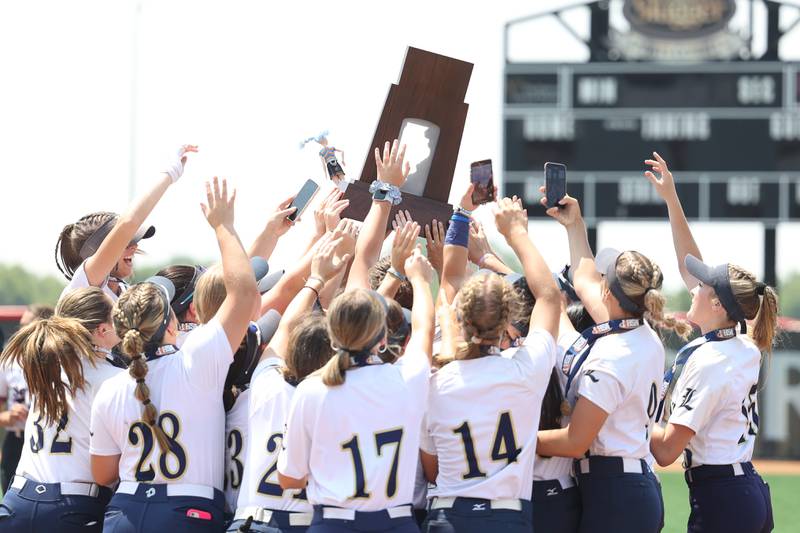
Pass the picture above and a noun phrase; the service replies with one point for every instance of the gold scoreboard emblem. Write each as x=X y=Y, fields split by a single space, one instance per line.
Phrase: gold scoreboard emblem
x=679 y=19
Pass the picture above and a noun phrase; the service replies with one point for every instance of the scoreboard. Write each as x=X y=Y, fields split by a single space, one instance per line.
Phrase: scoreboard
x=730 y=132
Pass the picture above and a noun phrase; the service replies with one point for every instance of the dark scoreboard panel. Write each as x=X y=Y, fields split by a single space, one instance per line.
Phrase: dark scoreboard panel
x=730 y=132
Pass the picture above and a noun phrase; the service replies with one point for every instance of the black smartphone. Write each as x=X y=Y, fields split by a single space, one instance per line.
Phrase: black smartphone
x=555 y=183
x=480 y=174
x=303 y=198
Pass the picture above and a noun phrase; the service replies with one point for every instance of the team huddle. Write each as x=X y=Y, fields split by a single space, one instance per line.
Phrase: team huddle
x=344 y=393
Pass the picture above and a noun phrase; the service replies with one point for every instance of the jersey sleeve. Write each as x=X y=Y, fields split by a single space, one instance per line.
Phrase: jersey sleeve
x=4 y=382
x=536 y=357
x=295 y=455
x=601 y=388
x=101 y=441
x=206 y=355
x=80 y=280
x=696 y=396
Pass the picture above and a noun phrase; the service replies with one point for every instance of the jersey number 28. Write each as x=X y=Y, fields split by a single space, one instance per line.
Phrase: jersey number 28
x=141 y=434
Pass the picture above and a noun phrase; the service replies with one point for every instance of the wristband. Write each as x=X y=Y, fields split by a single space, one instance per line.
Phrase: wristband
x=175 y=167
x=458 y=231
x=459 y=216
x=461 y=211
x=316 y=292
x=395 y=274
x=385 y=192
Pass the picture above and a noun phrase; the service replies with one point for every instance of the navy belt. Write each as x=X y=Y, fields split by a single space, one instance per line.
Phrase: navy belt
x=705 y=472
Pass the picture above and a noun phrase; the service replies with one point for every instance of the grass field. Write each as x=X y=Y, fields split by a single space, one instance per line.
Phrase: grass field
x=784 y=489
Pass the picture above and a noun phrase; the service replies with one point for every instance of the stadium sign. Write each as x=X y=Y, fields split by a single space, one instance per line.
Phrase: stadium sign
x=678 y=30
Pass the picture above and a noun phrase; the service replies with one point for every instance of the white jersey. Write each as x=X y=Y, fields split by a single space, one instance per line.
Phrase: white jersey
x=358 y=443
x=79 y=281
x=483 y=419
x=59 y=452
x=548 y=468
x=715 y=397
x=270 y=398
x=621 y=376
x=14 y=389
x=186 y=388
x=236 y=436
x=183 y=331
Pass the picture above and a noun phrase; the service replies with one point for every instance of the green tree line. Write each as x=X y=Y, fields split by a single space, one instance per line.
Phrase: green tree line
x=19 y=286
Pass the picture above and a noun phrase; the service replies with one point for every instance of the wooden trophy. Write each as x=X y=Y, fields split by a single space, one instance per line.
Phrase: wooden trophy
x=429 y=97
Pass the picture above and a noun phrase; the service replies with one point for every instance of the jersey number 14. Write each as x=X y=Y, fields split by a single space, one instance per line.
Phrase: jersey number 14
x=503 y=449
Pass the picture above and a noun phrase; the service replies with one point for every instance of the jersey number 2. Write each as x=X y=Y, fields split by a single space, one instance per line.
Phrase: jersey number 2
x=57 y=446
x=504 y=447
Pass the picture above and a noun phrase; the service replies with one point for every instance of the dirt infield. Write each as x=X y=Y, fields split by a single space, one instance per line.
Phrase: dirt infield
x=764 y=466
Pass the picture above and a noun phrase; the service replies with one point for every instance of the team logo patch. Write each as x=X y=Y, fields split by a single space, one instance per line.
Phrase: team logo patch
x=590 y=374
x=552 y=491
x=601 y=328
x=40 y=489
x=150 y=492
x=687 y=397
x=478 y=506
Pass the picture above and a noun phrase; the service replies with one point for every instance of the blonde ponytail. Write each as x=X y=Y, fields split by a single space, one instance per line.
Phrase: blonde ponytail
x=759 y=302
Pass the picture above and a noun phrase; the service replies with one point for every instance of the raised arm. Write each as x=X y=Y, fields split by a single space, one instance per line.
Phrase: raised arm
x=682 y=238
x=237 y=274
x=102 y=262
x=277 y=225
x=404 y=244
x=324 y=267
x=481 y=253
x=420 y=273
x=456 y=247
x=391 y=170
x=512 y=223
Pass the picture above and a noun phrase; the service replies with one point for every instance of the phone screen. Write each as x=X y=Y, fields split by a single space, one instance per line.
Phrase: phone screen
x=555 y=183
x=481 y=176
x=303 y=198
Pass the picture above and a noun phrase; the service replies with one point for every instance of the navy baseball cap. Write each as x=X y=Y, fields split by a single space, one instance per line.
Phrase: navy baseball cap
x=717 y=278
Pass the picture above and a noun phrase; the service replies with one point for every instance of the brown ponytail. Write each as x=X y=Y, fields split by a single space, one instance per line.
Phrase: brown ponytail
x=641 y=279
x=761 y=308
x=44 y=349
x=137 y=315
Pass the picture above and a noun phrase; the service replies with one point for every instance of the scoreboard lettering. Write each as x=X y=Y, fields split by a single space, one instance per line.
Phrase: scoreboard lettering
x=730 y=132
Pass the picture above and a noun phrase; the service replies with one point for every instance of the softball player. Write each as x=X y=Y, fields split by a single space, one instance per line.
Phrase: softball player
x=353 y=429
x=184 y=278
x=710 y=407
x=481 y=454
x=161 y=433
x=303 y=337
x=98 y=249
x=64 y=364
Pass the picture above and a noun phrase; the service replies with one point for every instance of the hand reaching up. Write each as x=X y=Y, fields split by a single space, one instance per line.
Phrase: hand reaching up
x=392 y=167
x=417 y=267
x=219 y=209
x=405 y=240
x=568 y=214
x=434 y=237
x=326 y=264
x=175 y=167
x=277 y=223
x=664 y=183
x=510 y=217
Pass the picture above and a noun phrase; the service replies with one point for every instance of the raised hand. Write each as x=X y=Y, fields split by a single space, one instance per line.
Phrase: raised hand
x=417 y=267
x=391 y=167
x=219 y=209
x=568 y=214
x=277 y=223
x=175 y=167
x=466 y=200
x=510 y=218
x=478 y=243
x=434 y=237
x=664 y=183
x=400 y=218
x=319 y=212
x=326 y=264
x=405 y=240
x=347 y=230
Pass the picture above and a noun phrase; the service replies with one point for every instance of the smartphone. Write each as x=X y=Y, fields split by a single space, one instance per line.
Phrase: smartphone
x=555 y=183
x=303 y=198
x=480 y=174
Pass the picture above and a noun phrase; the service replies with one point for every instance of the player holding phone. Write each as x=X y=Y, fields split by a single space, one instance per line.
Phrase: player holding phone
x=482 y=179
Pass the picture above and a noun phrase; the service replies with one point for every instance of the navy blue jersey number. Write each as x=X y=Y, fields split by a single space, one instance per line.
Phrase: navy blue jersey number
x=235 y=470
x=59 y=445
x=171 y=462
x=504 y=447
x=270 y=488
x=382 y=438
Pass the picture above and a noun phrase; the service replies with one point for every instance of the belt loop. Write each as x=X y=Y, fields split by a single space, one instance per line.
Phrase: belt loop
x=737 y=469
x=689 y=475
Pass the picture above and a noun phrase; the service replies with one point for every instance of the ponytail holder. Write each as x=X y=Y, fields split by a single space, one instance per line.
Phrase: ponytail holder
x=146 y=401
x=475 y=340
x=760 y=288
x=139 y=380
x=649 y=289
